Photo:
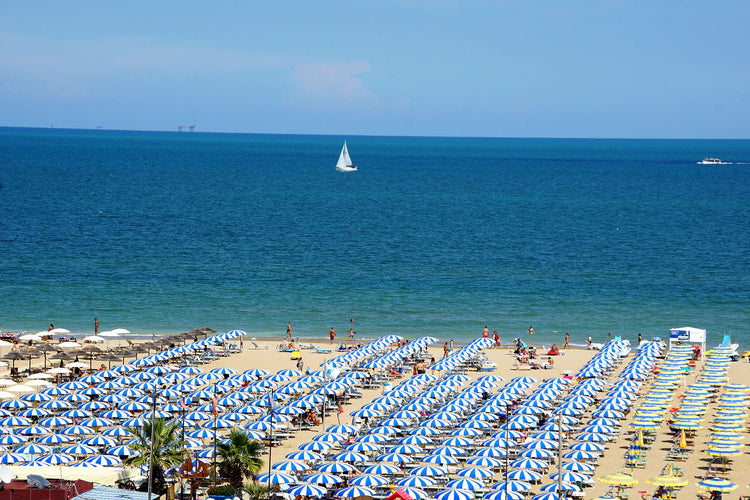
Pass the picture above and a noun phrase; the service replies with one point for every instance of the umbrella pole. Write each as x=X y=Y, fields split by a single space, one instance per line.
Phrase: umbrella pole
x=270 y=443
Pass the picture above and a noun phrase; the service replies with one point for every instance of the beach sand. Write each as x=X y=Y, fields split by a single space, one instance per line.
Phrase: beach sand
x=264 y=354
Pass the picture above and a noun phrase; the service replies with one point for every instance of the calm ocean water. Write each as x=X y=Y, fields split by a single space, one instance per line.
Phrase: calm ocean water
x=163 y=232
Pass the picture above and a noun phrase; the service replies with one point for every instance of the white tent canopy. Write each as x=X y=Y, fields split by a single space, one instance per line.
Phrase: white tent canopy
x=688 y=335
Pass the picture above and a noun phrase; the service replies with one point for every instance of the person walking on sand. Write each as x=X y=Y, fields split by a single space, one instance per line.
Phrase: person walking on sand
x=289 y=331
x=332 y=334
x=96 y=326
x=485 y=332
x=567 y=338
x=445 y=350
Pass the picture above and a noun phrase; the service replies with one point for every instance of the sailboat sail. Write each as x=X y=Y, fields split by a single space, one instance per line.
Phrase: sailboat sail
x=345 y=162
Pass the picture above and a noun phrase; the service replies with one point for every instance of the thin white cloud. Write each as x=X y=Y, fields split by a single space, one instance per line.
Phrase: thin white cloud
x=334 y=84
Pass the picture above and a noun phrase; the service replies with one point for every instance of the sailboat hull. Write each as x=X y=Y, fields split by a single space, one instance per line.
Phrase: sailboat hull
x=346 y=169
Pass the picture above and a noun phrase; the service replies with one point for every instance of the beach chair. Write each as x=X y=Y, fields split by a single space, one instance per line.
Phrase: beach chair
x=520 y=366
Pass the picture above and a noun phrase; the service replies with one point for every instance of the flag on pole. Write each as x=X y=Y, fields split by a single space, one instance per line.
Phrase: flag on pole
x=183 y=405
x=271 y=404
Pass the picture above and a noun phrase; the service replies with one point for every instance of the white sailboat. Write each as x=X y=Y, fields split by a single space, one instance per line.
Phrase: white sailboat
x=345 y=162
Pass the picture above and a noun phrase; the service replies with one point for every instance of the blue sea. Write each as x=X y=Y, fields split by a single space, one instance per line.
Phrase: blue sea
x=163 y=232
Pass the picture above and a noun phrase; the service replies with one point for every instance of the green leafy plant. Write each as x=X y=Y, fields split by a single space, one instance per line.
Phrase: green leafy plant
x=223 y=490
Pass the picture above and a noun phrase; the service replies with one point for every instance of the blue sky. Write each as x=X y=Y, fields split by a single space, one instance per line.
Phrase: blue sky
x=516 y=68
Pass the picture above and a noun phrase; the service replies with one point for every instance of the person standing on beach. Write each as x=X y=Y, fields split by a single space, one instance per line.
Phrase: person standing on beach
x=567 y=338
x=639 y=338
x=289 y=331
x=589 y=344
x=96 y=326
x=51 y=327
x=332 y=334
x=351 y=334
x=485 y=332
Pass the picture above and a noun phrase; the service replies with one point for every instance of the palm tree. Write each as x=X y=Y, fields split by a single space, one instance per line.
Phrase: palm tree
x=240 y=458
x=169 y=450
x=257 y=490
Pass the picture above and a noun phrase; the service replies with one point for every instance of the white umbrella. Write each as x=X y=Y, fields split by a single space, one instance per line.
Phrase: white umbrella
x=30 y=336
x=94 y=338
x=111 y=333
x=41 y=375
x=120 y=331
x=36 y=383
x=20 y=388
x=6 y=381
x=68 y=345
x=6 y=395
x=5 y=343
x=61 y=371
x=76 y=364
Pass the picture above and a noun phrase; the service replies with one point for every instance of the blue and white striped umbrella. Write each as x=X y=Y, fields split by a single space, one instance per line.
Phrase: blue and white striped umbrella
x=440 y=459
x=354 y=492
x=484 y=461
x=78 y=449
x=546 y=496
x=554 y=487
x=382 y=469
x=307 y=490
x=475 y=472
x=536 y=453
x=363 y=447
x=369 y=480
x=54 y=459
x=578 y=467
x=581 y=455
x=104 y=461
x=490 y=452
x=276 y=478
x=99 y=441
x=77 y=430
x=523 y=475
x=335 y=467
x=32 y=449
x=570 y=477
x=428 y=470
x=121 y=451
x=395 y=457
x=503 y=495
x=529 y=463
x=323 y=478
x=290 y=466
x=11 y=458
x=454 y=494
x=465 y=483
x=54 y=439
x=307 y=456
x=416 y=481
x=405 y=449
x=117 y=432
x=316 y=446
x=587 y=446
x=593 y=437
x=350 y=456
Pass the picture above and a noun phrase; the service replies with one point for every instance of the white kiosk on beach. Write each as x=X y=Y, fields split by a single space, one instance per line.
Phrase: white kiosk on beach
x=688 y=335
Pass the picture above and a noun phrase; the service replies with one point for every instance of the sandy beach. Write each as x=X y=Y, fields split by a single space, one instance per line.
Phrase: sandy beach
x=264 y=354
